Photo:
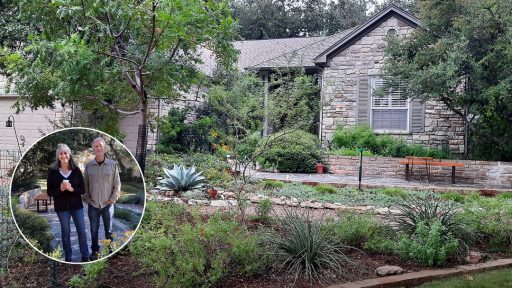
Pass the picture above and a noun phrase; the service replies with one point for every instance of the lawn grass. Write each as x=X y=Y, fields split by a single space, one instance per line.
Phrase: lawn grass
x=492 y=279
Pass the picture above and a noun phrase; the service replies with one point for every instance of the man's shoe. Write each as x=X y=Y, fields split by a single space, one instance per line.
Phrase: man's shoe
x=94 y=256
x=85 y=259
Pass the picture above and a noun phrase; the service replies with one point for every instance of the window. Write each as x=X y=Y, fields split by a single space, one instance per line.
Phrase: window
x=391 y=33
x=389 y=111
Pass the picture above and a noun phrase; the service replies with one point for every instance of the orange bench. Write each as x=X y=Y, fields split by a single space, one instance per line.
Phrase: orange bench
x=428 y=162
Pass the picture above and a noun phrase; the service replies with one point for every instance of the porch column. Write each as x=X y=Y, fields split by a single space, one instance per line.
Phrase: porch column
x=265 y=79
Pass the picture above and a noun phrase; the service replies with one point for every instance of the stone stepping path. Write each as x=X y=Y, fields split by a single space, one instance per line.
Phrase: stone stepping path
x=118 y=228
x=375 y=182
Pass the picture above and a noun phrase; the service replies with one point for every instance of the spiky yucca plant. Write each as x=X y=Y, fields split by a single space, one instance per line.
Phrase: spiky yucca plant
x=181 y=179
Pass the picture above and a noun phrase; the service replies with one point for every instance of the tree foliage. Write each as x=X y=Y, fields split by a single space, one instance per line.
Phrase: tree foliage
x=461 y=56
x=268 y=19
x=114 y=55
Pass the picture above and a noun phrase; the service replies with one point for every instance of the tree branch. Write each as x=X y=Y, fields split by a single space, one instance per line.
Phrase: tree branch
x=174 y=50
x=118 y=57
x=112 y=106
x=153 y=29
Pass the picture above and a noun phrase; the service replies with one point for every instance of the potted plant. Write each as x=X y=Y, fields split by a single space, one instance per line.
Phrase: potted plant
x=212 y=192
x=319 y=168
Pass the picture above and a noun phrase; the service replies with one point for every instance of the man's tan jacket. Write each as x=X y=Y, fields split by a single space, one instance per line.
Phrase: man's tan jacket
x=102 y=183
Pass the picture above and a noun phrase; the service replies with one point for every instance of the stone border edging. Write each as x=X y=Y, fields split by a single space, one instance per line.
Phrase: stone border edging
x=420 y=277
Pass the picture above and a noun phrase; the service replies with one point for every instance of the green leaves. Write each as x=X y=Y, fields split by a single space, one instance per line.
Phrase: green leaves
x=93 y=53
x=460 y=57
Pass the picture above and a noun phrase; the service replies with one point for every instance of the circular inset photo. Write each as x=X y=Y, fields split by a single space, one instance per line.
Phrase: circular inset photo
x=77 y=195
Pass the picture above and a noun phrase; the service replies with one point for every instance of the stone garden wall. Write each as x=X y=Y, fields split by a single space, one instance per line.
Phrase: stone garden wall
x=474 y=172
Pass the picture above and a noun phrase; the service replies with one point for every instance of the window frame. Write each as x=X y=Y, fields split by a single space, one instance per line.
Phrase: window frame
x=407 y=107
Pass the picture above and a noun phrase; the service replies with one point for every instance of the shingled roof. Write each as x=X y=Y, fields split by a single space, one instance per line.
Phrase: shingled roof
x=287 y=52
x=306 y=51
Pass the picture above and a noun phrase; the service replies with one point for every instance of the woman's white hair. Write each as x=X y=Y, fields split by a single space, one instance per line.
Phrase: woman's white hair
x=63 y=147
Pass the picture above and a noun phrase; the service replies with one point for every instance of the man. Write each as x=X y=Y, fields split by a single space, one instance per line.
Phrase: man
x=102 y=187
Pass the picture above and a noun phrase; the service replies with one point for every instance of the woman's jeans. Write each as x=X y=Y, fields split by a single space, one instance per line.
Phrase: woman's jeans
x=65 y=227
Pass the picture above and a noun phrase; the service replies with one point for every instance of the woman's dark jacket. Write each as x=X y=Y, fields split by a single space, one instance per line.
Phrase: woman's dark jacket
x=66 y=200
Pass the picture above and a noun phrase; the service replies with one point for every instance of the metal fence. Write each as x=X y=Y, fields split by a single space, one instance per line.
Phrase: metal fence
x=8 y=160
x=8 y=232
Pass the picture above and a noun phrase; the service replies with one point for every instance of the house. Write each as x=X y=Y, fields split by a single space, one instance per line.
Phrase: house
x=348 y=65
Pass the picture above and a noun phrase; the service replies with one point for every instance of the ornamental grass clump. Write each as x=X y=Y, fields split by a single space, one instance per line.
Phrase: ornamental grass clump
x=431 y=223
x=181 y=179
x=309 y=249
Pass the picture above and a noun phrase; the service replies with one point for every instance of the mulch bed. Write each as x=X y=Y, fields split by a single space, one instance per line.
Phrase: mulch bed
x=125 y=271
x=121 y=271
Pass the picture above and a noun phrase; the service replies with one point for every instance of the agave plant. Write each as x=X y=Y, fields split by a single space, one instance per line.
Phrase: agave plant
x=181 y=179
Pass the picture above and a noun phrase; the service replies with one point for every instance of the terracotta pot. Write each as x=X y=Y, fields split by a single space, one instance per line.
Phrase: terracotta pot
x=319 y=168
x=212 y=193
x=488 y=192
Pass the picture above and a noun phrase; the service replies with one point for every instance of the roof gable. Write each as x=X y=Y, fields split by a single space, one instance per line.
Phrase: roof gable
x=362 y=30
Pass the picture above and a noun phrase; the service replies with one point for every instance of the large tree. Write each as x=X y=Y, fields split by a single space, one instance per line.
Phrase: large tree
x=461 y=56
x=114 y=55
x=268 y=19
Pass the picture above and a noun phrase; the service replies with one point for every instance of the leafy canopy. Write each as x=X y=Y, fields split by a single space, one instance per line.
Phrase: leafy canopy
x=461 y=56
x=113 y=55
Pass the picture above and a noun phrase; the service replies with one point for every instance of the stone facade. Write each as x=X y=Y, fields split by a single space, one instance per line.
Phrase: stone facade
x=365 y=58
x=473 y=172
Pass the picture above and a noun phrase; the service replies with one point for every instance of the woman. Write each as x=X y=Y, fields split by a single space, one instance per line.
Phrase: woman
x=65 y=184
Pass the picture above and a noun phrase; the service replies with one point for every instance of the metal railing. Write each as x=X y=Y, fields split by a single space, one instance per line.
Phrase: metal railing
x=8 y=160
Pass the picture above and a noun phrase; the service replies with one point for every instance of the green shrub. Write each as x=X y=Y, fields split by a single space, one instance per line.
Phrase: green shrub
x=350 y=152
x=263 y=210
x=359 y=136
x=185 y=250
x=308 y=248
x=122 y=214
x=34 y=227
x=490 y=217
x=128 y=217
x=214 y=169
x=394 y=192
x=362 y=136
x=453 y=196
x=325 y=189
x=415 y=210
x=91 y=277
x=195 y=194
x=134 y=199
x=180 y=136
x=272 y=184
x=296 y=151
x=505 y=195
x=356 y=229
x=431 y=244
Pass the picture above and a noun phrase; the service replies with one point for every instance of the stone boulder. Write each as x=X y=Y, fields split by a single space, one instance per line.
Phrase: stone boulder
x=389 y=270
x=474 y=257
x=27 y=197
